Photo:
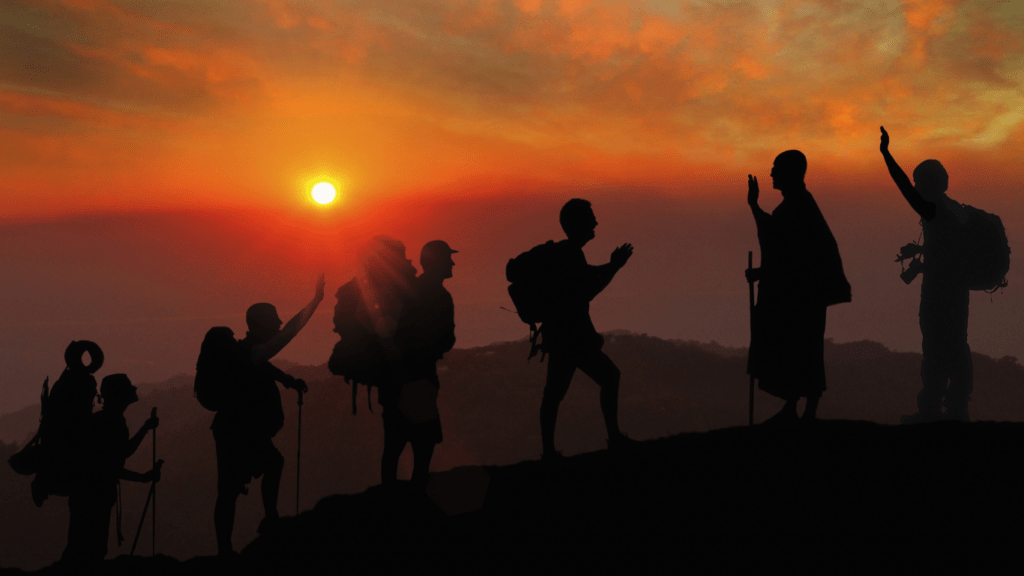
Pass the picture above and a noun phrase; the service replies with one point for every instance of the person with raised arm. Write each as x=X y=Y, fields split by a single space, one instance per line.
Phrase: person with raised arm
x=947 y=373
x=570 y=339
x=244 y=429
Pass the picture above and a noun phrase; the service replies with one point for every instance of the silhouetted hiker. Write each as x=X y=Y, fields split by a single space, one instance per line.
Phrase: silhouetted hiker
x=801 y=274
x=97 y=485
x=567 y=285
x=425 y=332
x=244 y=428
x=382 y=295
x=964 y=249
x=57 y=451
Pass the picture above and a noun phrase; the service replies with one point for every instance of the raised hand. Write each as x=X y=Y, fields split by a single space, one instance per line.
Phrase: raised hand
x=621 y=254
x=320 y=283
x=752 y=190
x=884 y=146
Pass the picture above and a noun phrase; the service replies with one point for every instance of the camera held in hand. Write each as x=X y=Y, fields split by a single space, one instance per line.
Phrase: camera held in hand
x=913 y=269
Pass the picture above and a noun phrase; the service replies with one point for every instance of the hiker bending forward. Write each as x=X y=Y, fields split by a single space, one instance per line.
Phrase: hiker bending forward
x=801 y=274
x=244 y=430
x=946 y=357
x=569 y=337
x=95 y=489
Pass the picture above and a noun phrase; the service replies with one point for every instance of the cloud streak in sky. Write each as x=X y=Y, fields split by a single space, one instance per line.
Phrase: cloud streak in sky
x=243 y=98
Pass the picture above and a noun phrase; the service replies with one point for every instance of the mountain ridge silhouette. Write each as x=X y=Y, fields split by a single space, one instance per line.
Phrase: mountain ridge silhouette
x=488 y=401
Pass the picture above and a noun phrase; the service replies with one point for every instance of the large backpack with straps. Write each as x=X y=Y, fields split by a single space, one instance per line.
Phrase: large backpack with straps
x=359 y=355
x=985 y=251
x=55 y=455
x=534 y=288
x=219 y=369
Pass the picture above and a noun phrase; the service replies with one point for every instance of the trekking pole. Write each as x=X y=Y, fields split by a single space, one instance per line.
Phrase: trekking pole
x=151 y=496
x=142 y=520
x=298 y=457
x=750 y=283
x=152 y=414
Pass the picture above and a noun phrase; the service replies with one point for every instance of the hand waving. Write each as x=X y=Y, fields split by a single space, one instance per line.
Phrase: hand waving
x=621 y=254
x=752 y=190
x=884 y=146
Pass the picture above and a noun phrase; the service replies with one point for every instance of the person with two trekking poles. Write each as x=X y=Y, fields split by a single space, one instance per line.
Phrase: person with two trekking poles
x=81 y=454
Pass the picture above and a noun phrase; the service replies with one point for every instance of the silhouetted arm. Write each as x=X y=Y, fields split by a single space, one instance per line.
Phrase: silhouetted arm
x=135 y=441
x=923 y=207
x=151 y=476
x=604 y=273
x=283 y=377
x=762 y=220
x=264 y=352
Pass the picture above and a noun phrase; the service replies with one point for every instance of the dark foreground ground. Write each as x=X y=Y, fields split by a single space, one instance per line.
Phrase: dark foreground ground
x=829 y=497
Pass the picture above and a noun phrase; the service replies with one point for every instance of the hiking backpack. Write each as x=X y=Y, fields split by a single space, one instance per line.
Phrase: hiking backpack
x=534 y=288
x=359 y=355
x=218 y=369
x=985 y=256
x=55 y=454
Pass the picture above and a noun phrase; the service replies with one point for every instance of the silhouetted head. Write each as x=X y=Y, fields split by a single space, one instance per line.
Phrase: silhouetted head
x=788 y=170
x=436 y=258
x=117 y=391
x=383 y=259
x=931 y=180
x=578 y=220
x=262 y=321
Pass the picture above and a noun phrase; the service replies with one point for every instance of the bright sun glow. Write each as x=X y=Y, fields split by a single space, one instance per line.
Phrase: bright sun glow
x=323 y=193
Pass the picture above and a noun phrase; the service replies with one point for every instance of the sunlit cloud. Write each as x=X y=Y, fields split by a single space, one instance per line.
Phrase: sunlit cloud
x=410 y=96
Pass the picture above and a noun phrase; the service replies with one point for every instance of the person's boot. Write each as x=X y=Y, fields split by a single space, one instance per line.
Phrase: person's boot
x=620 y=442
x=268 y=525
x=785 y=416
x=921 y=417
x=956 y=411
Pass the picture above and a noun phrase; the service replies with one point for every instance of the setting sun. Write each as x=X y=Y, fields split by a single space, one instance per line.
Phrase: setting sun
x=323 y=193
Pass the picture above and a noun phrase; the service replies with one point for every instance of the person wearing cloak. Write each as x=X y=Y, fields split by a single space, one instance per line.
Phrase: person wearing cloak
x=801 y=275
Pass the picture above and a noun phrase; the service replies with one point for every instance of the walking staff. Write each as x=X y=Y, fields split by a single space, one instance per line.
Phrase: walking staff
x=153 y=488
x=750 y=283
x=298 y=455
x=150 y=497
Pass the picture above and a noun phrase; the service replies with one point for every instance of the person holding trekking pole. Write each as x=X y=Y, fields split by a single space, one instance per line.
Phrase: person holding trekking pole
x=244 y=428
x=97 y=487
x=150 y=498
x=801 y=274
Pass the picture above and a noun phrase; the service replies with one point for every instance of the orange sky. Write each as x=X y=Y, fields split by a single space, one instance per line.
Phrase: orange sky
x=117 y=105
x=132 y=135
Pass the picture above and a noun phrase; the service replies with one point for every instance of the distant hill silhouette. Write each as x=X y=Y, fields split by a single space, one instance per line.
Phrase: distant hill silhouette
x=489 y=404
